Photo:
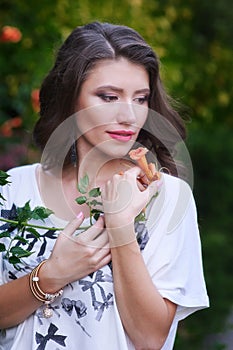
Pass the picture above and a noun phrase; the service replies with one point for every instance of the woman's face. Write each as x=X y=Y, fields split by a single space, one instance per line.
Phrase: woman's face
x=112 y=107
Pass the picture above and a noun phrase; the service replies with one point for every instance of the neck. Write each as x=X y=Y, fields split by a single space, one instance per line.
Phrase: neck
x=59 y=192
x=100 y=167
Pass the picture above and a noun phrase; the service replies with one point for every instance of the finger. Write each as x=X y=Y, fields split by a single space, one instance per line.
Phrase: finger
x=102 y=240
x=103 y=253
x=107 y=246
x=92 y=233
x=109 y=188
x=141 y=185
x=72 y=226
x=104 y=261
x=143 y=178
x=134 y=171
x=140 y=179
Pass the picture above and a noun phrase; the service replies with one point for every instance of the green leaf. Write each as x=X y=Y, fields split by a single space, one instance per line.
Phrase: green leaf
x=24 y=213
x=96 y=211
x=2 y=247
x=3 y=178
x=14 y=260
x=3 y=181
x=5 y=234
x=81 y=199
x=2 y=198
x=140 y=217
x=20 y=252
x=83 y=184
x=21 y=239
x=40 y=213
x=94 y=202
x=95 y=192
x=33 y=231
x=96 y=216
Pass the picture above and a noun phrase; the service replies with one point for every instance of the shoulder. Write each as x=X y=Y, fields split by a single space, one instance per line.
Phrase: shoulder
x=24 y=170
x=174 y=201
x=175 y=190
x=22 y=180
x=174 y=184
x=172 y=189
x=22 y=174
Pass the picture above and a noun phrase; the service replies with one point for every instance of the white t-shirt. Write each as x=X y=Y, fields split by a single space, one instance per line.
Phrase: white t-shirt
x=86 y=315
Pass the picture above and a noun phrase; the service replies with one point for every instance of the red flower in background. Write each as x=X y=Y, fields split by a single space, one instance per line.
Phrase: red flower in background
x=10 y=34
x=6 y=128
x=35 y=100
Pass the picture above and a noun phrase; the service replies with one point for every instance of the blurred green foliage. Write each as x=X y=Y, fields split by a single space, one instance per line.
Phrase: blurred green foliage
x=194 y=42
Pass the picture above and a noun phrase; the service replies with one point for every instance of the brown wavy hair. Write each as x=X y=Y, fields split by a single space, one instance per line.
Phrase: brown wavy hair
x=83 y=48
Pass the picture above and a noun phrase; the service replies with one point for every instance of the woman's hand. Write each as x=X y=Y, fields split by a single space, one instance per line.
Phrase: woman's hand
x=123 y=199
x=142 y=181
x=74 y=257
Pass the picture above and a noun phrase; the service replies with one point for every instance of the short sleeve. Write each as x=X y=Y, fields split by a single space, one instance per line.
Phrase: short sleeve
x=173 y=255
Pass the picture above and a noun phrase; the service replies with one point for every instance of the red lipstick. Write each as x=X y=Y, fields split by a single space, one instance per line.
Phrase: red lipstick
x=121 y=135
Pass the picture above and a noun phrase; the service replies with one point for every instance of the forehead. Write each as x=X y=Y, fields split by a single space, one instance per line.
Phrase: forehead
x=118 y=70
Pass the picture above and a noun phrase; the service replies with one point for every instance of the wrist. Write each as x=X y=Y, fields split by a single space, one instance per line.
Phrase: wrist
x=121 y=234
x=116 y=221
x=49 y=280
x=43 y=296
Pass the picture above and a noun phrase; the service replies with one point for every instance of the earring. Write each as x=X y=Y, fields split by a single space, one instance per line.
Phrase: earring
x=73 y=155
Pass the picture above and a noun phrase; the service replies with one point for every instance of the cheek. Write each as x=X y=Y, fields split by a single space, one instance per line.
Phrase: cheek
x=90 y=119
x=142 y=117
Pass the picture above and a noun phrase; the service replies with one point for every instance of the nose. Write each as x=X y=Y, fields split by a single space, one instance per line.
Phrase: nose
x=126 y=113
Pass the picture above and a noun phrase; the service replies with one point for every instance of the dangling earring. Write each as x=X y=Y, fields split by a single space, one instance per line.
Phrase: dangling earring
x=73 y=155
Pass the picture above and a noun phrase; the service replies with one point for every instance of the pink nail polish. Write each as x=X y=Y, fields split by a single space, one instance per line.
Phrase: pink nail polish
x=80 y=215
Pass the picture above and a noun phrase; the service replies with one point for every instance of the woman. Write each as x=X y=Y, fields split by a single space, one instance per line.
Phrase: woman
x=120 y=284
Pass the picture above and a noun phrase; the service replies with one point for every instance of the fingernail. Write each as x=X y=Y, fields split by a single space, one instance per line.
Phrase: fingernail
x=99 y=222
x=80 y=215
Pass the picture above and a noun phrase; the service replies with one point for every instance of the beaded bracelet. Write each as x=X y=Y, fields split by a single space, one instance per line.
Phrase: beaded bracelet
x=46 y=298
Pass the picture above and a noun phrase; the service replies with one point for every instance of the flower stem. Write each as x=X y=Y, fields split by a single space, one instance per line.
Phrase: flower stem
x=39 y=226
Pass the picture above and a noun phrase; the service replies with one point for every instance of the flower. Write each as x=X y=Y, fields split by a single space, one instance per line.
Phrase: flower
x=149 y=169
x=35 y=100
x=8 y=125
x=137 y=154
x=10 y=34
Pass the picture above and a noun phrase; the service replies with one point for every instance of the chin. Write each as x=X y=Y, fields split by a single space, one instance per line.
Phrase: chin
x=117 y=151
x=115 y=154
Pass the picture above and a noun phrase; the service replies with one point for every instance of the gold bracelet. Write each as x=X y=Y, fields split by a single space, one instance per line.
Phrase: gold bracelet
x=46 y=298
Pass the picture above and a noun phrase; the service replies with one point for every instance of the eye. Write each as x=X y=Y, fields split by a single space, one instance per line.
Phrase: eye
x=108 y=98
x=141 y=99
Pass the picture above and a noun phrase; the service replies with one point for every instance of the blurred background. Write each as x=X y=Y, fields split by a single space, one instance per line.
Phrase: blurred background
x=194 y=41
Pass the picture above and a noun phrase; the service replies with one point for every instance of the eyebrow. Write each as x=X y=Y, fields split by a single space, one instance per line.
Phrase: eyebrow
x=116 y=89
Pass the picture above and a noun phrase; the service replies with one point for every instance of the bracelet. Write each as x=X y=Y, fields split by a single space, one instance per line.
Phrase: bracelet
x=46 y=298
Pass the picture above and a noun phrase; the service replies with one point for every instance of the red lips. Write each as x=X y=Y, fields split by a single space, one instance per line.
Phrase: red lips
x=121 y=135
